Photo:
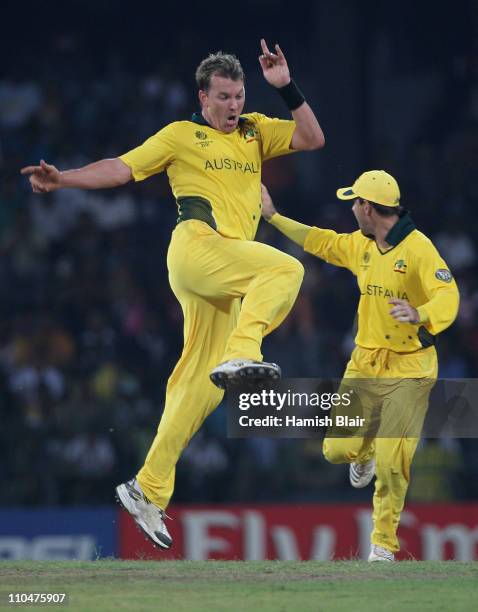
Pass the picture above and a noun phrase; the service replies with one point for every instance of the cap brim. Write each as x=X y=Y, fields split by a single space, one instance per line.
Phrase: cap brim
x=346 y=193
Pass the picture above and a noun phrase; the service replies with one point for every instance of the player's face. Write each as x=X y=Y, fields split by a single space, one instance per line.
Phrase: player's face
x=360 y=209
x=222 y=104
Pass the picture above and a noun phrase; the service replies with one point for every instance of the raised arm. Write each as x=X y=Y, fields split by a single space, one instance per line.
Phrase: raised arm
x=99 y=175
x=308 y=134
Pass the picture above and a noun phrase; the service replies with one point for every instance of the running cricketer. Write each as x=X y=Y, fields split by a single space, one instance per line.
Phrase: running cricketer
x=407 y=297
x=232 y=290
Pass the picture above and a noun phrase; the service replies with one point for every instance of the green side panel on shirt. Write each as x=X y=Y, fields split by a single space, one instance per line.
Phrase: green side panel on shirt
x=195 y=207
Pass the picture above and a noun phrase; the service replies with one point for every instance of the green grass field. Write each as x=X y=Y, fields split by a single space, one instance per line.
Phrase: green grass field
x=236 y=585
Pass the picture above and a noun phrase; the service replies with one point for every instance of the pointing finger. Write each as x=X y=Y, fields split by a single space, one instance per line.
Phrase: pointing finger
x=279 y=52
x=28 y=169
x=265 y=49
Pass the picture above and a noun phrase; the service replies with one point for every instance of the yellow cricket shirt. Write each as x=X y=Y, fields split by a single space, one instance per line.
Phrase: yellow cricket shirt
x=214 y=176
x=411 y=269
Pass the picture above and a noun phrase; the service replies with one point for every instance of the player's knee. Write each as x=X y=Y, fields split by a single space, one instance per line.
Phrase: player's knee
x=295 y=270
x=299 y=270
x=333 y=452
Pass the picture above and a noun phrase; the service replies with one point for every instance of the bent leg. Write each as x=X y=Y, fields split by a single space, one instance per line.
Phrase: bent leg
x=268 y=300
x=266 y=279
x=360 y=447
x=348 y=450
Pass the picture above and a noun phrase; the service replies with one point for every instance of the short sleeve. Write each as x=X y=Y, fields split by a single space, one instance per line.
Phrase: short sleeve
x=276 y=135
x=153 y=156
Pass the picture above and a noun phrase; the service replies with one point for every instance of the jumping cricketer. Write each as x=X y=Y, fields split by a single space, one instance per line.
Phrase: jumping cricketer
x=232 y=290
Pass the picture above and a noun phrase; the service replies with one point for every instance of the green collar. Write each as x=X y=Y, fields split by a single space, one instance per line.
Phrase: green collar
x=198 y=118
x=400 y=230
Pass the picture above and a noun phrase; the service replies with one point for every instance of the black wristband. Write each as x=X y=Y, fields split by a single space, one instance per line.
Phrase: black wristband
x=291 y=95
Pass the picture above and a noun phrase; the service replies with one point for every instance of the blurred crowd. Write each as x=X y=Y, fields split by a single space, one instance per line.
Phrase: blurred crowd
x=90 y=331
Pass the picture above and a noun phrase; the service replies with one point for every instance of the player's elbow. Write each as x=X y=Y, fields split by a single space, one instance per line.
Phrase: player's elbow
x=308 y=140
x=455 y=306
x=451 y=306
x=121 y=173
x=314 y=141
x=319 y=141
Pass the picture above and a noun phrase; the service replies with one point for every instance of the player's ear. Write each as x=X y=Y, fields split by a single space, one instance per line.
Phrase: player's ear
x=202 y=95
x=367 y=207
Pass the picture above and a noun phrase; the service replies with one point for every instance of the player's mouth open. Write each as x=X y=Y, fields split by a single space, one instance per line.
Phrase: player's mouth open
x=231 y=120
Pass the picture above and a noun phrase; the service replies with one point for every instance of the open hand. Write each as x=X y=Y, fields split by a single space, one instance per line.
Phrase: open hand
x=402 y=311
x=274 y=66
x=43 y=178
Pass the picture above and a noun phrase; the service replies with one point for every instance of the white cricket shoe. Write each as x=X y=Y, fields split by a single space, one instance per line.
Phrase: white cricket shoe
x=148 y=517
x=361 y=474
x=378 y=553
x=244 y=369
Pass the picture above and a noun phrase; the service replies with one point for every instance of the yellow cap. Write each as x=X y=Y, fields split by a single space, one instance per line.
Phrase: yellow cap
x=375 y=186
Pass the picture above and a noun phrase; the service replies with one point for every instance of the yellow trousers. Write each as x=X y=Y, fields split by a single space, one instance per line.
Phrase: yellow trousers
x=232 y=293
x=398 y=386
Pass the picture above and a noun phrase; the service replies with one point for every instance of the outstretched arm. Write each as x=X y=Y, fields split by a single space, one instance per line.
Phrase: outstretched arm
x=337 y=249
x=308 y=134
x=295 y=231
x=99 y=175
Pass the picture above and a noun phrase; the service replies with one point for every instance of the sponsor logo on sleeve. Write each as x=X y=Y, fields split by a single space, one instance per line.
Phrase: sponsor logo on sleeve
x=444 y=275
